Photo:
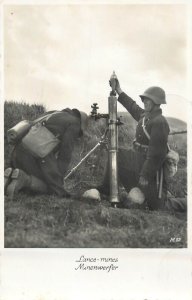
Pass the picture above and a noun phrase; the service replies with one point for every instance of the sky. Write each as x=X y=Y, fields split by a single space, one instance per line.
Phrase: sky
x=63 y=55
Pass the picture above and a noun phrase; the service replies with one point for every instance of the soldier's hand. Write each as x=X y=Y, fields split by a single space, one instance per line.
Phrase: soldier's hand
x=143 y=182
x=117 y=86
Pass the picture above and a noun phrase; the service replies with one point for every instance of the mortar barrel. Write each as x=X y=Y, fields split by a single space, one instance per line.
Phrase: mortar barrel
x=113 y=168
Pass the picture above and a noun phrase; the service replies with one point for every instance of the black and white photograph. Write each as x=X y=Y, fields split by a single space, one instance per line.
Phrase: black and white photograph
x=96 y=113
x=95 y=120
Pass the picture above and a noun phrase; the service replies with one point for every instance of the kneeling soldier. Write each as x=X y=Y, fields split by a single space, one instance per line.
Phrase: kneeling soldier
x=45 y=175
x=141 y=166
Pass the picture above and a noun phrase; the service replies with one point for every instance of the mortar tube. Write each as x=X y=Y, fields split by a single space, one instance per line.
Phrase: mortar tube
x=113 y=168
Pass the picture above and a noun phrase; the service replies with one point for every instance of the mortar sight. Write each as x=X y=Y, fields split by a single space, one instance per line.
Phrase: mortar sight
x=95 y=114
x=94 y=107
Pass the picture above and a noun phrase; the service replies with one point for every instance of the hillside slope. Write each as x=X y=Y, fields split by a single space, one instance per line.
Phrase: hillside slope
x=48 y=221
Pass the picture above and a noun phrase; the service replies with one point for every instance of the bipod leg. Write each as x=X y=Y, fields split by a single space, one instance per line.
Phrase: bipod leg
x=101 y=142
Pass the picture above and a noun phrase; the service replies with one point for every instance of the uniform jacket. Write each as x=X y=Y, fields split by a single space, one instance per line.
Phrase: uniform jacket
x=66 y=124
x=158 y=129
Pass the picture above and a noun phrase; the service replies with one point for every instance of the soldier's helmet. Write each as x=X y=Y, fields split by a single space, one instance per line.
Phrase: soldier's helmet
x=156 y=94
x=136 y=195
x=83 y=117
x=84 y=121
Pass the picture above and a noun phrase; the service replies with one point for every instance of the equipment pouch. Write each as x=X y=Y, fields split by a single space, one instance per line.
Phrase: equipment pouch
x=170 y=163
x=39 y=141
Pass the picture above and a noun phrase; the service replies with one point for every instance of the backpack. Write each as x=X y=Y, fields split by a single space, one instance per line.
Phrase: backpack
x=35 y=137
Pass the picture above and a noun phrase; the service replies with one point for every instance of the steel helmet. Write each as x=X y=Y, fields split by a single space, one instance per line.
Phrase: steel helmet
x=83 y=117
x=84 y=121
x=136 y=195
x=156 y=94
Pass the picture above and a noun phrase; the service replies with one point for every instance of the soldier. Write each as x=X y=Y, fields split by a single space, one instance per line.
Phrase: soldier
x=141 y=166
x=46 y=175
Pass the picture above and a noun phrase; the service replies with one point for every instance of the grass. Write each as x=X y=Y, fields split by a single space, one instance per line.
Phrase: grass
x=45 y=221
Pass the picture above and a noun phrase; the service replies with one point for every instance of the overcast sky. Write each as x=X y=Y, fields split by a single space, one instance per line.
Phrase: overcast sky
x=63 y=55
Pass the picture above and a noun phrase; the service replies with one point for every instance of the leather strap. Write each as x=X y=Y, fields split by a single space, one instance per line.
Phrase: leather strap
x=46 y=117
x=144 y=129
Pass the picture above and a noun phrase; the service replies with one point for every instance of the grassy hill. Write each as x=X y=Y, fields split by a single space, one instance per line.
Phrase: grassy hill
x=176 y=124
x=49 y=221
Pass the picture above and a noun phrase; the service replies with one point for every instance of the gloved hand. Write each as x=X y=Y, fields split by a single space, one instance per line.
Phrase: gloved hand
x=117 y=87
x=143 y=182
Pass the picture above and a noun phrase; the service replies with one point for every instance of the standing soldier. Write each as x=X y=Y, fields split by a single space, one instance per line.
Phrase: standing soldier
x=140 y=166
x=45 y=175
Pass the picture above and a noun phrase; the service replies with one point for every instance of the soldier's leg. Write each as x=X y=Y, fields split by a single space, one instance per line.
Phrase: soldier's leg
x=52 y=175
x=22 y=159
x=128 y=168
x=104 y=187
x=22 y=181
x=176 y=204
x=126 y=171
x=24 y=167
x=7 y=178
x=45 y=169
x=152 y=197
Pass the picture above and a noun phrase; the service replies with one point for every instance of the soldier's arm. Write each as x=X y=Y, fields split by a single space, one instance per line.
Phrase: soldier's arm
x=67 y=146
x=131 y=106
x=157 y=149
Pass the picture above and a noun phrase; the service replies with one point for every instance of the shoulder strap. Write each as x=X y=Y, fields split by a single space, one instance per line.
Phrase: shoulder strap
x=147 y=134
x=45 y=117
x=144 y=129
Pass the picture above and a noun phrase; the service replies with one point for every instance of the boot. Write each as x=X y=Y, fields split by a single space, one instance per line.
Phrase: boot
x=37 y=185
x=21 y=180
x=176 y=204
x=7 y=178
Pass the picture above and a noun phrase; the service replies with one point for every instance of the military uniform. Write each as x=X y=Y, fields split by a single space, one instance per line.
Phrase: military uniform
x=146 y=157
x=65 y=124
x=147 y=154
x=158 y=129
